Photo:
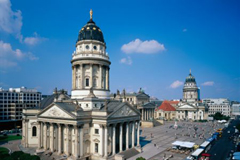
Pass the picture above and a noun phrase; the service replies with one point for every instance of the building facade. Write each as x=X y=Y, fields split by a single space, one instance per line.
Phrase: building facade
x=191 y=108
x=235 y=109
x=165 y=111
x=89 y=125
x=139 y=100
x=220 y=105
x=13 y=100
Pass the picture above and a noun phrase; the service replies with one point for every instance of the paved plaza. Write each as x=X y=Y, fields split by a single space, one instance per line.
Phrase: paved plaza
x=155 y=141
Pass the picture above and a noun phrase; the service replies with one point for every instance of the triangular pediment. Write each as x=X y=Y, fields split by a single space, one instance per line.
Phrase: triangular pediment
x=54 y=111
x=142 y=95
x=186 y=106
x=125 y=111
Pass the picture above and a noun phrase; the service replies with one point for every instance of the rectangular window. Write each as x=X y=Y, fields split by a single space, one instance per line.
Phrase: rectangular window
x=96 y=147
x=96 y=131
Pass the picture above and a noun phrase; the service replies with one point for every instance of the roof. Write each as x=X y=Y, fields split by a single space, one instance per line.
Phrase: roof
x=205 y=144
x=197 y=152
x=166 y=106
x=50 y=99
x=90 y=32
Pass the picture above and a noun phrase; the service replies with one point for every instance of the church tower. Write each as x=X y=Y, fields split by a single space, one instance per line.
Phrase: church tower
x=191 y=92
x=90 y=63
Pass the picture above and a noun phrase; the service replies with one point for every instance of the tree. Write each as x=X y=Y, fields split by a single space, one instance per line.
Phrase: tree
x=140 y=158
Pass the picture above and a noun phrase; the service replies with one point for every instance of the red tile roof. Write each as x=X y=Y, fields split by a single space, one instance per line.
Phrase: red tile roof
x=166 y=106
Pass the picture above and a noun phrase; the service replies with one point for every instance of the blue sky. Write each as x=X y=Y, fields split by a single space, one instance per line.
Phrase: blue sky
x=162 y=39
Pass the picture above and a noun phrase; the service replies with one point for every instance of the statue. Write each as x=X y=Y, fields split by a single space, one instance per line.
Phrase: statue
x=91 y=13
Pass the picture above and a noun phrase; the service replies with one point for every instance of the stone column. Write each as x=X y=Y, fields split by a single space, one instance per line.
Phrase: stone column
x=145 y=117
x=120 y=138
x=76 y=141
x=67 y=139
x=91 y=75
x=127 y=136
x=79 y=76
x=39 y=134
x=51 y=137
x=26 y=131
x=107 y=78
x=142 y=115
x=100 y=76
x=82 y=75
x=74 y=77
x=114 y=139
x=45 y=136
x=59 y=138
x=133 y=134
x=81 y=141
x=42 y=137
x=138 y=132
x=106 y=141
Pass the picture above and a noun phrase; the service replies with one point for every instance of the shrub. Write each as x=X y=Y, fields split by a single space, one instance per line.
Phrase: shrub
x=17 y=154
x=35 y=157
x=25 y=156
x=140 y=158
x=7 y=158
x=4 y=155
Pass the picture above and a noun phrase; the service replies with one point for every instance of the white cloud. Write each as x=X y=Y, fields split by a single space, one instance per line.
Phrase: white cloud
x=147 y=47
x=9 y=57
x=185 y=30
x=176 y=84
x=10 y=21
x=127 y=60
x=208 y=83
x=33 y=40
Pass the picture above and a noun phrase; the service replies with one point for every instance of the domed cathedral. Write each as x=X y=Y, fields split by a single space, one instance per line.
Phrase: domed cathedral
x=90 y=63
x=87 y=125
x=191 y=93
x=191 y=107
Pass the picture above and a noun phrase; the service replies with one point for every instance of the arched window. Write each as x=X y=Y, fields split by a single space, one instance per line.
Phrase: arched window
x=87 y=82
x=34 y=131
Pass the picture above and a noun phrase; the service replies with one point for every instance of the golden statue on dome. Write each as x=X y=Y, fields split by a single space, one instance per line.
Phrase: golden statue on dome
x=91 y=13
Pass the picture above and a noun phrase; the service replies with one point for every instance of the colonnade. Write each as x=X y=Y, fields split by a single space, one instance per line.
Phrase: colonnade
x=124 y=136
x=51 y=137
x=79 y=76
x=69 y=139
x=147 y=113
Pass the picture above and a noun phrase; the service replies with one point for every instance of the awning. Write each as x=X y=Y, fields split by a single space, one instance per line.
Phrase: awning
x=177 y=143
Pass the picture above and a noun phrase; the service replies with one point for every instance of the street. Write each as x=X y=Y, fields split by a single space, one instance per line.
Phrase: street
x=222 y=147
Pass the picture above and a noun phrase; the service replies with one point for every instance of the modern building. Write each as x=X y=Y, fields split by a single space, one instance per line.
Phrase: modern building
x=89 y=125
x=191 y=108
x=235 y=109
x=221 y=105
x=13 y=100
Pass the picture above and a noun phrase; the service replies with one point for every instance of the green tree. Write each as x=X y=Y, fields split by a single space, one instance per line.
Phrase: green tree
x=140 y=158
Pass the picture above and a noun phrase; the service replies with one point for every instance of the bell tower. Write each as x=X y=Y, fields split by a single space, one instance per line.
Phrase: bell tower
x=191 y=93
x=90 y=63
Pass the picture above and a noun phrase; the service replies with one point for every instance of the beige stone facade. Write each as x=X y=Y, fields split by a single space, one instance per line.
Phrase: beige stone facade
x=89 y=125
